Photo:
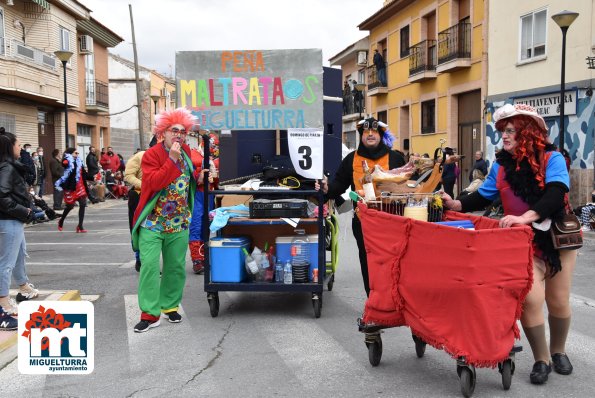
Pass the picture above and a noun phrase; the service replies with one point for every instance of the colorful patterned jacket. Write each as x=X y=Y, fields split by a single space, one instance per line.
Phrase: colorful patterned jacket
x=158 y=172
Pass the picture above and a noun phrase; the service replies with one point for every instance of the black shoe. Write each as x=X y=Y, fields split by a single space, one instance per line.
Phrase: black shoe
x=540 y=372
x=562 y=364
x=137 y=266
x=143 y=325
x=173 y=317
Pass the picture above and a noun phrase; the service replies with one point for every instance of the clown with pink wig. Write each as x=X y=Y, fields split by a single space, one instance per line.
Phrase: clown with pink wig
x=162 y=219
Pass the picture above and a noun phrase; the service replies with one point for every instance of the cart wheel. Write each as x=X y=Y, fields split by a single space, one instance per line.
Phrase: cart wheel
x=506 y=370
x=317 y=304
x=331 y=282
x=420 y=346
x=467 y=380
x=214 y=304
x=375 y=351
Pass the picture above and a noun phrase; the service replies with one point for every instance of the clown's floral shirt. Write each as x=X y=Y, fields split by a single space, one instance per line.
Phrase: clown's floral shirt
x=171 y=212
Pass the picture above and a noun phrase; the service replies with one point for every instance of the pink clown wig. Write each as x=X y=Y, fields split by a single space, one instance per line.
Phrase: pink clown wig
x=166 y=119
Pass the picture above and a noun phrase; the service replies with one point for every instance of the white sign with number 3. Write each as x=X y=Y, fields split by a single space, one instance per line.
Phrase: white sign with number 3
x=306 y=151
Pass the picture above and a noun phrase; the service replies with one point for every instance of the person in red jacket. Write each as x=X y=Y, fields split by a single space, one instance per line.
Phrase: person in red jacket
x=162 y=219
x=110 y=160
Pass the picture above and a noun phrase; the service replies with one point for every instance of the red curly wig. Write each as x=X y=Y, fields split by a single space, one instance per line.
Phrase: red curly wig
x=166 y=119
x=531 y=141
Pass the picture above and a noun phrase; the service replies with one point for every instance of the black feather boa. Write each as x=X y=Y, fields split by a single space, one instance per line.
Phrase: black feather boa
x=525 y=186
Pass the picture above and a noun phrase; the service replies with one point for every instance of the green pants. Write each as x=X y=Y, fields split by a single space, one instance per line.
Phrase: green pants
x=155 y=294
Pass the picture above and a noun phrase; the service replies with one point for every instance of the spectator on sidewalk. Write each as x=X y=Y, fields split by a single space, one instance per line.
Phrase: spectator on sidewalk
x=27 y=161
x=110 y=160
x=41 y=172
x=14 y=213
x=480 y=164
x=92 y=162
x=56 y=170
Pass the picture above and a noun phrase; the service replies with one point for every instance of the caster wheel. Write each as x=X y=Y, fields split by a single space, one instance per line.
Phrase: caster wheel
x=506 y=370
x=317 y=304
x=214 y=305
x=467 y=380
x=331 y=282
x=420 y=346
x=375 y=352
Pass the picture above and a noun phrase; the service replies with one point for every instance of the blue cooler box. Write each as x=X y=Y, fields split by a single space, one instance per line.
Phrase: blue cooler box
x=283 y=250
x=227 y=258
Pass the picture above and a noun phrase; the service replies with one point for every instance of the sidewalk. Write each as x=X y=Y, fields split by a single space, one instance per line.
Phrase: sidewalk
x=8 y=339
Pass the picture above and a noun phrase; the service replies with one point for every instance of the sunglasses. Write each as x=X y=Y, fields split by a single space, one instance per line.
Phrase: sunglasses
x=371 y=126
x=177 y=131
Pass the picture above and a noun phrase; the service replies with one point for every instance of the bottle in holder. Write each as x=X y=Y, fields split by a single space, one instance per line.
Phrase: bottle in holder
x=251 y=265
x=367 y=183
x=287 y=274
x=300 y=256
x=279 y=272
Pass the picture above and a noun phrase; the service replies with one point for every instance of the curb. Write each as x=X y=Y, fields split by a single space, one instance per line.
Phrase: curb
x=7 y=344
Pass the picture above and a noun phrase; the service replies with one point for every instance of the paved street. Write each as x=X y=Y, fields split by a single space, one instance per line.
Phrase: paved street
x=262 y=344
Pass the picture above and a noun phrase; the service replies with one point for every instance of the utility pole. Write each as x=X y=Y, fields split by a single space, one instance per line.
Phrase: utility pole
x=138 y=87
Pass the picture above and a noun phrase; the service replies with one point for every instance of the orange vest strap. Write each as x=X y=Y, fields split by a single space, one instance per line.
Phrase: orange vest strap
x=358 y=169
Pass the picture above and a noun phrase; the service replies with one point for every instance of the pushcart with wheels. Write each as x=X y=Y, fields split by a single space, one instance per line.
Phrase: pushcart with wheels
x=458 y=290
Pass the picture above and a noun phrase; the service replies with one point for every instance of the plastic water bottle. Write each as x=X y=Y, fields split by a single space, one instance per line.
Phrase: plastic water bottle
x=287 y=275
x=279 y=272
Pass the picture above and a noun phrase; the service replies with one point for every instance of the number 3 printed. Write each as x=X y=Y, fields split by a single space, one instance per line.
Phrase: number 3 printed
x=306 y=162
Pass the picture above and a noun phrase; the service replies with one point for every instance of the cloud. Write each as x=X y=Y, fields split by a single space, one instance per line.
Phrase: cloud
x=164 y=27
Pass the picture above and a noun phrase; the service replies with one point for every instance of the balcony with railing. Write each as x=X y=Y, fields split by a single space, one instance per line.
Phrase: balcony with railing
x=422 y=61
x=375 y=84
x=97 y=95
x=454 y=48
x=354 y=105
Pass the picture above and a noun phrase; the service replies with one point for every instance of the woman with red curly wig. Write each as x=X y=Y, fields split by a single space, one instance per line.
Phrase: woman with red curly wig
x=532 y=181
x=162 y=218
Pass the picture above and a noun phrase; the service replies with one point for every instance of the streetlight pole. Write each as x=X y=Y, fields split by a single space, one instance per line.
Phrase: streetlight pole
x=564 y=19
x=64 y=56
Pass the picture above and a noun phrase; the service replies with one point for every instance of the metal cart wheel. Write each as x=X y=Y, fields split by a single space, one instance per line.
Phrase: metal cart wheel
x=331 y=282
x=467 y=380
x=420 y=346
x=506 y=369
x=317 y=304
x=213 y=299
x=374 y=343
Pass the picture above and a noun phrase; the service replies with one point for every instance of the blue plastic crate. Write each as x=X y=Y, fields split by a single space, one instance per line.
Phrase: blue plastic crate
x=227 y=258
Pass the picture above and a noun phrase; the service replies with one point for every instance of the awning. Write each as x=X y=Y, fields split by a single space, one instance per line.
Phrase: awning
x=42 y=3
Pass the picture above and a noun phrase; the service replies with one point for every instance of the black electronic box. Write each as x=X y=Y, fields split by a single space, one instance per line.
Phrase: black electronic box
x=290 y=208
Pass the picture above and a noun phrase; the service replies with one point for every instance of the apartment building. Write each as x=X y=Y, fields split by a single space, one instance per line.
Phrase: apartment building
x=353 y=61
x=32 y=78
x=436 y=73
x=524 y=67
x=89 y=124
x=157 y=93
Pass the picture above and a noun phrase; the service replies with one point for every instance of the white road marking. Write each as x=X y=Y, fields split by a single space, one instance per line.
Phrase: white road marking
x=309 y=352
x=77 y=243
x=64 y=263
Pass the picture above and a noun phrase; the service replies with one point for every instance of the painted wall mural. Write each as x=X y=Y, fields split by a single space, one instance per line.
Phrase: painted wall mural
x=578 y=140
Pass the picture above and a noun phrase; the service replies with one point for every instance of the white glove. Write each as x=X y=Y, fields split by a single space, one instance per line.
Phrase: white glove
x=59 y=189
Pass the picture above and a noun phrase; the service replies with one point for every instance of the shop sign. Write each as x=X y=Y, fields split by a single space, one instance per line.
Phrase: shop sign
x=548 y=105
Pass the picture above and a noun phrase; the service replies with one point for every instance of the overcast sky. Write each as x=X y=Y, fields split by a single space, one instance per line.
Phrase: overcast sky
x=166 y=26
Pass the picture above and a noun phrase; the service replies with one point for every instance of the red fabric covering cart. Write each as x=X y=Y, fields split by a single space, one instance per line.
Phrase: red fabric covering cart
x=458 y=290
